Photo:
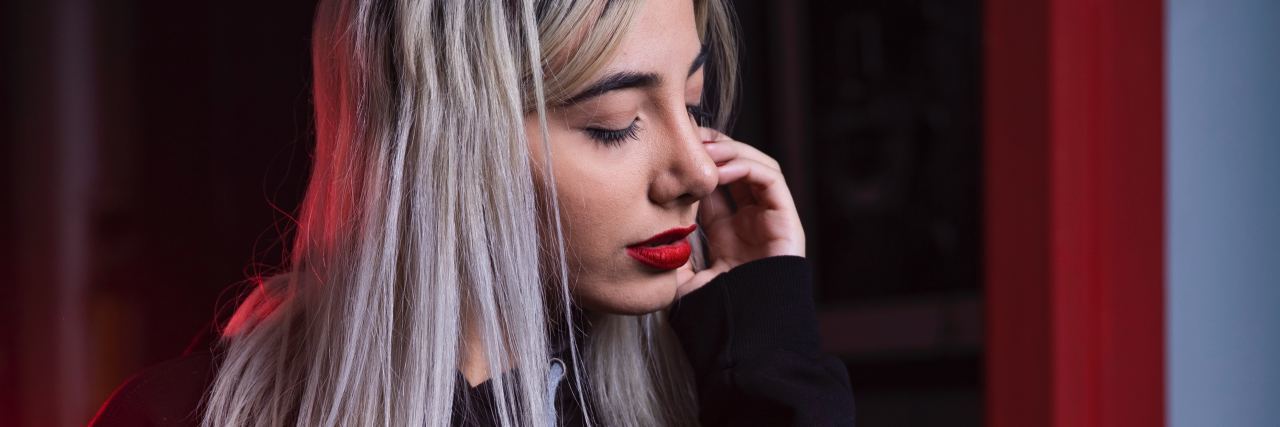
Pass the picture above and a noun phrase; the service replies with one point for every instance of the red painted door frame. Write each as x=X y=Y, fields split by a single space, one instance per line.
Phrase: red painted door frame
x=1074 y=213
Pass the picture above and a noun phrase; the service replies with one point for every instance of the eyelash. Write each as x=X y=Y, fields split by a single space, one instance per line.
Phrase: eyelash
x=615 y=137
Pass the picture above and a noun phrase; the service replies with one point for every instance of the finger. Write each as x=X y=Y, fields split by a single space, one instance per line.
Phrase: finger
x=725 y=144
x=766 y=184
x=698 y=280
x=685 y=272
x=747 y=151
x=721 y=152
x=711 y=135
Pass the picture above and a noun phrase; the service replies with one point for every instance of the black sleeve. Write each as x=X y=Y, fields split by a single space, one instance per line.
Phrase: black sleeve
x=751 y=337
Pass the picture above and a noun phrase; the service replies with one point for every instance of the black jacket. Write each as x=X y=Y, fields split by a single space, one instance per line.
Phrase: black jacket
x=750 y=335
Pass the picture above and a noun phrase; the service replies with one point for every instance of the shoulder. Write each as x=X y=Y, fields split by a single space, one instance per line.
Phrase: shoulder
x=167 y=394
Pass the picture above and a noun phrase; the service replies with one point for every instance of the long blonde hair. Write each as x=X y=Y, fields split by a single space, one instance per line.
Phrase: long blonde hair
x=422 y=200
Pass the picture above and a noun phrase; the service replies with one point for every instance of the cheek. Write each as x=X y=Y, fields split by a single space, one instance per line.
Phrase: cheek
x=596 y=206
x=603 y=200
x=602 y=194
x=603 y=210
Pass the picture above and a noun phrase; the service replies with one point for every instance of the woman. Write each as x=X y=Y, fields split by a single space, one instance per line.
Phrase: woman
x=512 y=219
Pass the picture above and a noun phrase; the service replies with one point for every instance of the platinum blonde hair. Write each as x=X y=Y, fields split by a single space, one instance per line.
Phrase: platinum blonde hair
x=421 y=207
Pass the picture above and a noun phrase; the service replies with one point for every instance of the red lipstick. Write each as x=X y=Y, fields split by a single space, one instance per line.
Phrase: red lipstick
x=667 y=250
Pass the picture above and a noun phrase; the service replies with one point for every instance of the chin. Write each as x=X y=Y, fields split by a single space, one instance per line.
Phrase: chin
x=641 y=295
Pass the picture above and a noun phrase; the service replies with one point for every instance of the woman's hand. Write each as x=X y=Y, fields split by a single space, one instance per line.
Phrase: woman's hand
x=764 y=223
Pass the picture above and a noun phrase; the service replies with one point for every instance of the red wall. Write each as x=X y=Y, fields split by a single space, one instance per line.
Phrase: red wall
x=1074 y=213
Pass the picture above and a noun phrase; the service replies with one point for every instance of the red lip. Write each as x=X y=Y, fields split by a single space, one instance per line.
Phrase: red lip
x=667 y=250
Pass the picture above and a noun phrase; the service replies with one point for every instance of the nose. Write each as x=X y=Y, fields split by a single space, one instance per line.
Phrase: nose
x=687 y=172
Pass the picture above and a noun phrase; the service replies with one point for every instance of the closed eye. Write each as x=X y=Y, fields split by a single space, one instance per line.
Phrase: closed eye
x=615 y=137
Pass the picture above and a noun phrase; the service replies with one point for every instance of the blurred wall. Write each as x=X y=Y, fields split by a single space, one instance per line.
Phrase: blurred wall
x=1223 y=118
x=150 y=151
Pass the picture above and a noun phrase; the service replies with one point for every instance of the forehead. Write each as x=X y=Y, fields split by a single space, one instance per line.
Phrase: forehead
x=662 y=39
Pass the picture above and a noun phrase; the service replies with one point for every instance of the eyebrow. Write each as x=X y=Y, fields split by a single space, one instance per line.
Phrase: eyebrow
x=630 y=80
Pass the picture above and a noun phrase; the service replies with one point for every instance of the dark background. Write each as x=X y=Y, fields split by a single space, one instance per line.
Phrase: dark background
x=874 y=110
x=198 y=125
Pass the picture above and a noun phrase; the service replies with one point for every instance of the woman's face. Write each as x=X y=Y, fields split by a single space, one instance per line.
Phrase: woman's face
x=629 y=164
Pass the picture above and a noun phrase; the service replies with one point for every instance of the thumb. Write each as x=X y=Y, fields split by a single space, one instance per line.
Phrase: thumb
x=695 y=282
x=684 y=273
